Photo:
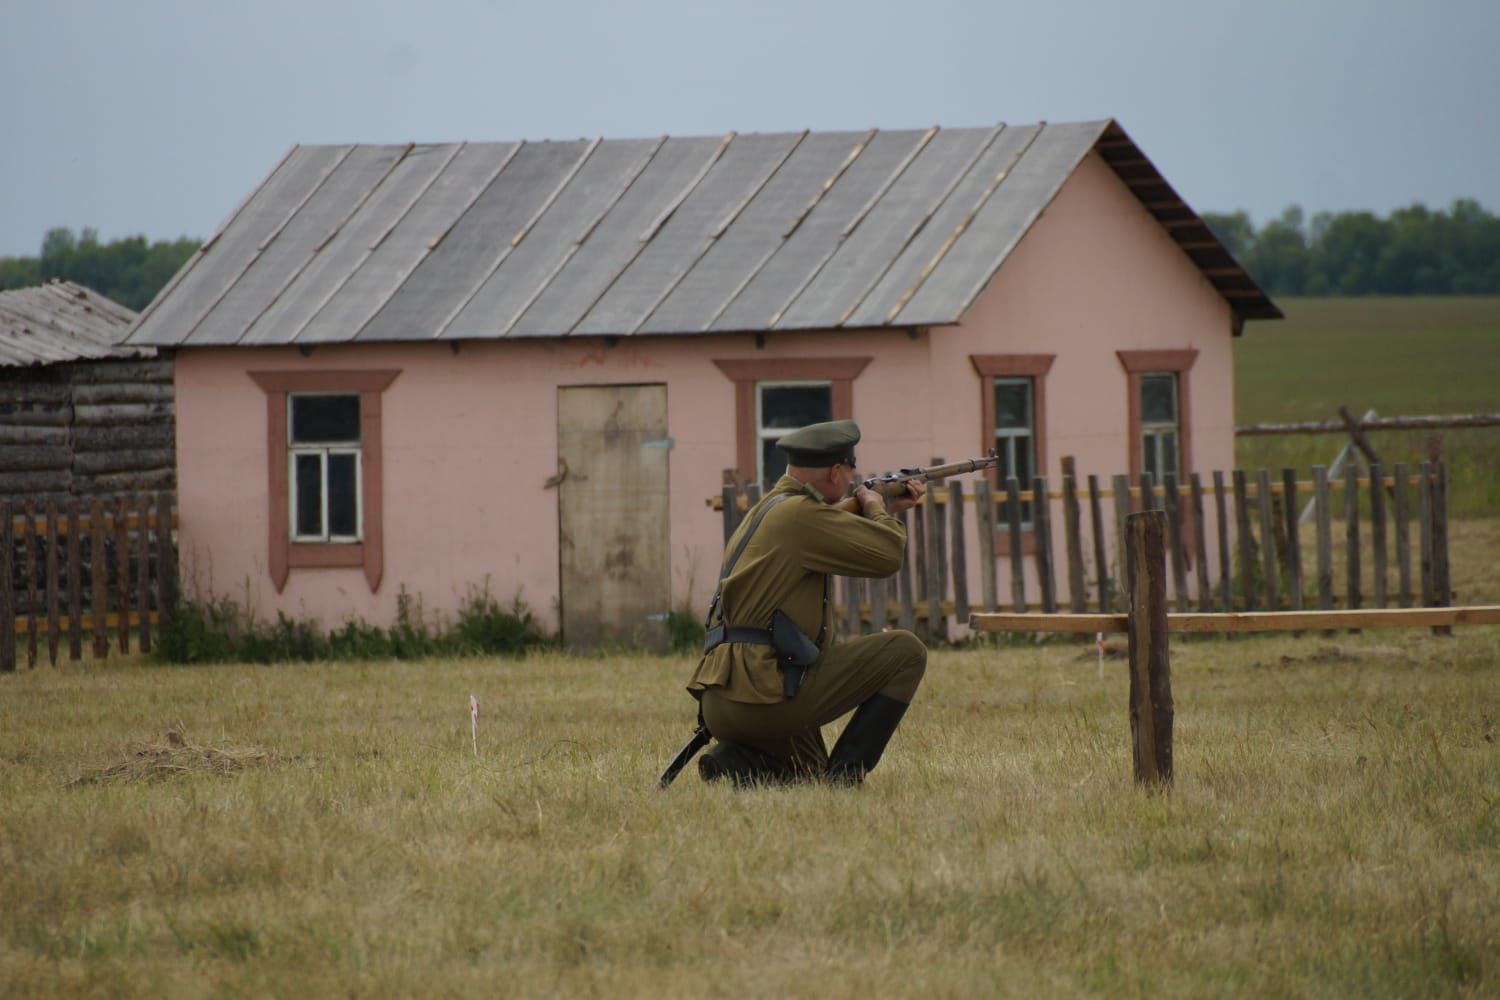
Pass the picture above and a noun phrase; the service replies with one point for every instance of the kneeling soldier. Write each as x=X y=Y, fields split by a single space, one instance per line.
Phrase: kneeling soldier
x=771 y=675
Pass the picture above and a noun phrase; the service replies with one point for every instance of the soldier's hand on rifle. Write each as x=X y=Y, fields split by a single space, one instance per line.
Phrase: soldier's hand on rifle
x=914 y=493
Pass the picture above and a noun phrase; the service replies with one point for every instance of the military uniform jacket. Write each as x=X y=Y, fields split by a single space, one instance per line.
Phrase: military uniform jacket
x=785 y=568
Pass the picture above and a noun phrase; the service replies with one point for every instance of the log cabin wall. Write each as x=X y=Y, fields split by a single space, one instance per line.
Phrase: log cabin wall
x=98 y=428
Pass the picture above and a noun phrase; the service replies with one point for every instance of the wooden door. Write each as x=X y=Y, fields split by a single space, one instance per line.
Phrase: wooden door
x=613 y=520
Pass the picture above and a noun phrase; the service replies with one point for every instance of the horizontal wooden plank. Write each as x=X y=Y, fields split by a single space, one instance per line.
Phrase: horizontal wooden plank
x=939 y=494
x=121 y=371
x=121 y=413
x=1033 y=622
x=12 y=435
x=132 y=522
x=1250 y=621
x=111 y=621
x=1435 y=422
x=104 y=393
x=98 y=463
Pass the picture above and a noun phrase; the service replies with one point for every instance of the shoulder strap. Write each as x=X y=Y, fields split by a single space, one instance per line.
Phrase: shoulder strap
x=717 y=604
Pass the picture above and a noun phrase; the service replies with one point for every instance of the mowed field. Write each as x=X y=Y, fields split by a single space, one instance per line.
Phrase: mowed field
x=1334 y=829
x=1397 y=356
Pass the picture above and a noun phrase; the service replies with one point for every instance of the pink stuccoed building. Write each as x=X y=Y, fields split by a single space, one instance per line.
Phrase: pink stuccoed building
x=527 y=365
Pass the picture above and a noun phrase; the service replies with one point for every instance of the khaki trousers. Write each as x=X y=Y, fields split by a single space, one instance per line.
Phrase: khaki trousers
x=889 y=663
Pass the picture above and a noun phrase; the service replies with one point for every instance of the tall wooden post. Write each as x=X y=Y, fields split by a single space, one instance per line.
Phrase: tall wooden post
x=1150 y=669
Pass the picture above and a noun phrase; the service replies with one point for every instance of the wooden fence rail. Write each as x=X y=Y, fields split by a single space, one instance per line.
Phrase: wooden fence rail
x=1234 y=545
x=107 y=571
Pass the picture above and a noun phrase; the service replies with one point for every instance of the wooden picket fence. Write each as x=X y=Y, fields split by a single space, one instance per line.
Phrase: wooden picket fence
x=101 y=568
x=1076 y=565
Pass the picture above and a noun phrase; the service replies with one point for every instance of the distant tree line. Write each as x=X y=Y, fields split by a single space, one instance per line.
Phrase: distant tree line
x=1414 y=251
x=129 y=271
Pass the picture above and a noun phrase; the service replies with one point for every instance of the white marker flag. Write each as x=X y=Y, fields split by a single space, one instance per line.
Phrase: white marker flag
x=474 y=722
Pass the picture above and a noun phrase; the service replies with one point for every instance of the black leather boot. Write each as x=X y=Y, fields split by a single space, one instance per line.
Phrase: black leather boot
x=744 y=766
x=863 y=740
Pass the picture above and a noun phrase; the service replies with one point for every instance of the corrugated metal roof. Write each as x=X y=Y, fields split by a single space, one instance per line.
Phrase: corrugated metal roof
x=618 y=237
x=61 y=321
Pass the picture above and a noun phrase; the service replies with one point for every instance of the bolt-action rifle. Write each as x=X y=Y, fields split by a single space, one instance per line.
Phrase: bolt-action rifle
x=894 y=484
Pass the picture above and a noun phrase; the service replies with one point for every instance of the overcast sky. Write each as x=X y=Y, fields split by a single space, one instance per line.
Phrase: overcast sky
x=159 y=116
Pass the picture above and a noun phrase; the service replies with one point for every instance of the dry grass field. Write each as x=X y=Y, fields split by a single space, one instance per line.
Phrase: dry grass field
x=308 y=830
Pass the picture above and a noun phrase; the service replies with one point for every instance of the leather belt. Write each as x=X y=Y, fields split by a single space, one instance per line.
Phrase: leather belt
x=720 y=634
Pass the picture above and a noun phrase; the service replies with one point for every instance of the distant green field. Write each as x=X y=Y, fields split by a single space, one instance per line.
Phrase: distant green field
x=1397 y=356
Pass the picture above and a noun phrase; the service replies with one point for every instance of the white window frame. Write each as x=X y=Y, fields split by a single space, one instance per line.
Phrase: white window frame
x=1153 y=433
x=1007 y=438
x=322 y=450
x=764 y=433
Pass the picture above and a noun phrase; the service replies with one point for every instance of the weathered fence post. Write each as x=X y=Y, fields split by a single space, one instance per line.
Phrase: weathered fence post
x=984 y=507
x=1017 y=552
x=98 y=580
x=1442 y=583
x=1352 y=600
x=122 y=574
x=932 y=572
x=1377 y=532
x=958 y=562
x=1226 y=570
x=1101 y=557
x=75 y=583
x=7 y=605
x=1200 y=543
x=54 y=624
x=1150 y=669
x=1120 y=487
x=166 y=562
x=1324 y=517
x=1041 y=528
x=143 y=570
x=1077 y=596
x=1267 y=539
x=1246 y=540
x=1172 y=504
x=31 y=599
x=937 y=550
x=1403 y=536
x=1293 y=538
x=1424 y=520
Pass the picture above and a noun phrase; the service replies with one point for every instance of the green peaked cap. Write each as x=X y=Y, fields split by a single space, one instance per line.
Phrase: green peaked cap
x=817 y=446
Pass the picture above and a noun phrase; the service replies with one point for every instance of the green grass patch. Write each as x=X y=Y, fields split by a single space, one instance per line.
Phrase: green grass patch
x=219 y=630
x=1397 y=356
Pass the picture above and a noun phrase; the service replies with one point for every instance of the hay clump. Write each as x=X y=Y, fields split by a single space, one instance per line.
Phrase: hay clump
x=178 y=757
